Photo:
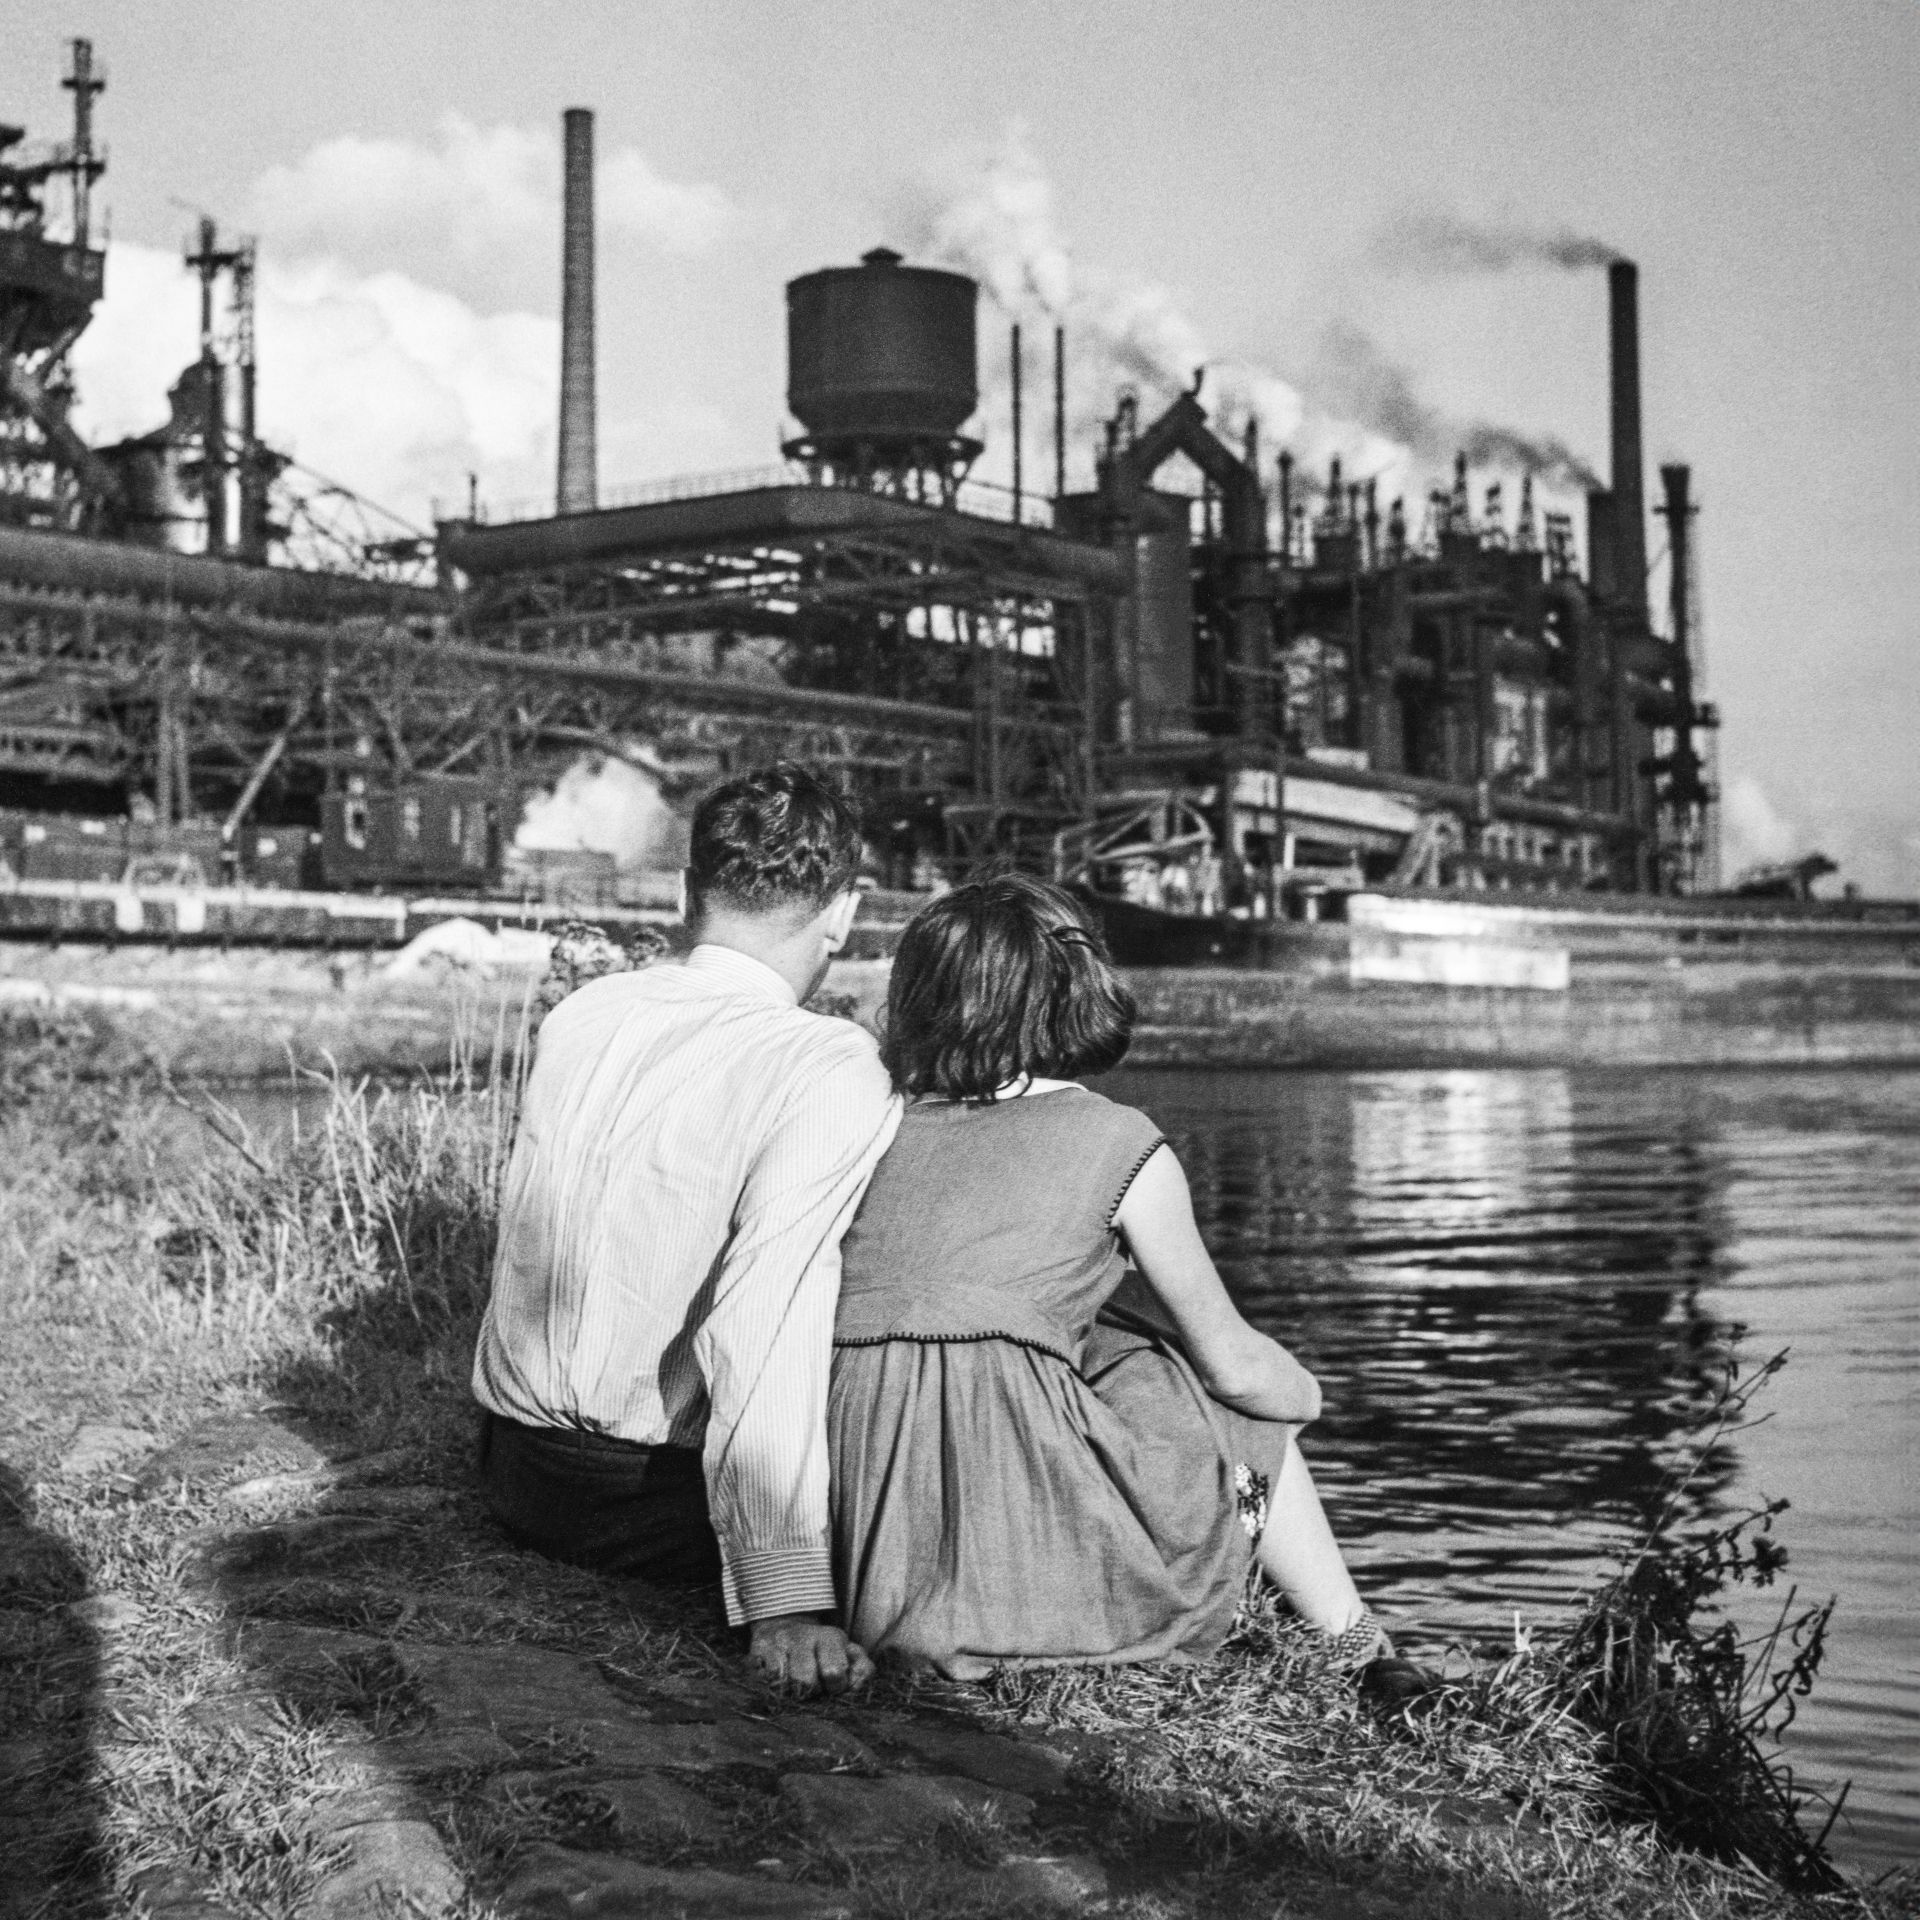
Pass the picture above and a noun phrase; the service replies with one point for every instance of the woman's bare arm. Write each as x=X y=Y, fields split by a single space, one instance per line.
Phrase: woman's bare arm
x=1238 y=1365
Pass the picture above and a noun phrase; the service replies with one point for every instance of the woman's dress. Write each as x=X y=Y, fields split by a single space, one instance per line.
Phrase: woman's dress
x=1024 y=1468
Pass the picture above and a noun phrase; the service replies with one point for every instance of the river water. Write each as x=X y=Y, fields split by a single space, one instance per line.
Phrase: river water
x=1519 y=1290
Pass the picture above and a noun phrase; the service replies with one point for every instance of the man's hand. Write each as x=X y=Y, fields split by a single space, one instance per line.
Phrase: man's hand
x=800 y=1652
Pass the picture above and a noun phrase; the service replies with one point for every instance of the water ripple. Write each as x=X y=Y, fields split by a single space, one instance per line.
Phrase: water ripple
x=1520 y=1289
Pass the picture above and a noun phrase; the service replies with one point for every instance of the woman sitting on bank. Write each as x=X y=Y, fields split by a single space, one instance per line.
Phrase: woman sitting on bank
x=1037 y=1455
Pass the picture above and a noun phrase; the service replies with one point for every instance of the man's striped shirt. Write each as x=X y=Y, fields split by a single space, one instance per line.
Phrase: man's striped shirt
x=691 y=1148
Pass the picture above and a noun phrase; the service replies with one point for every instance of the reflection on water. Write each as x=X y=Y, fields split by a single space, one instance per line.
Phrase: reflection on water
x=1520 y=1289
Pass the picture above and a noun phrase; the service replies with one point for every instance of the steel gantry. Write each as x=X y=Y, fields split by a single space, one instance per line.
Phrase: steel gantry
x=991 y=634
x=931 y=656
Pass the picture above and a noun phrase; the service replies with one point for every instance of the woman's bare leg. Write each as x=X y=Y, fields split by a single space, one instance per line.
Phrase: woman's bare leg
x=1298 y=1553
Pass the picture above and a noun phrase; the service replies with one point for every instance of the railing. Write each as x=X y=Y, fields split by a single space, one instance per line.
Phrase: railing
x=984 y=499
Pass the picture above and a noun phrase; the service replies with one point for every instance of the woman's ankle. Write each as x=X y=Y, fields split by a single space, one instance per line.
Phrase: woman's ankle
x=1334 y=1621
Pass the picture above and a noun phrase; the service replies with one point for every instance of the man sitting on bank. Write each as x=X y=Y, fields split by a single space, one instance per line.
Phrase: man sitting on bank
x=653 y=1364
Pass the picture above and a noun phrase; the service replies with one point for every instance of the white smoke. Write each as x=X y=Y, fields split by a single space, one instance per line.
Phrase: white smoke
x=1753 y=831
x=998 y=224
x=602 y=804
x=997 y=221
x=1872 y=839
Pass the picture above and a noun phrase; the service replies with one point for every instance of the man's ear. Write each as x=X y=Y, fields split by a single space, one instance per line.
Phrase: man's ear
x=839 y=918
x=684 y=896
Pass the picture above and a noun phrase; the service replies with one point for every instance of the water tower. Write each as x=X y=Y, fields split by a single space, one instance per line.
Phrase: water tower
x=882 y=373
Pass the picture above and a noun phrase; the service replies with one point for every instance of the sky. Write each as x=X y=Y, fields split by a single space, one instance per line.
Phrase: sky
x=1257 y=187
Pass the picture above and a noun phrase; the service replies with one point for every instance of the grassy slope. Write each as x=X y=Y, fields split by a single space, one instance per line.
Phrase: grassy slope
x=148 y=1288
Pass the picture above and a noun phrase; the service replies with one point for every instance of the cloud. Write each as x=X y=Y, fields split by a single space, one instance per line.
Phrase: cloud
x=395 y=389
x=401 y=389
x=679 y=217
x=143 y=332
x=473 y=191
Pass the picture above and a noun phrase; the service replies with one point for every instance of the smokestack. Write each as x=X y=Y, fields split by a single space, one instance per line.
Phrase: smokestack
x=1629 y=511
x=578 y=489
x=83 y=83
x=1059 y=412
x=1678 y=483
x=1017 y=425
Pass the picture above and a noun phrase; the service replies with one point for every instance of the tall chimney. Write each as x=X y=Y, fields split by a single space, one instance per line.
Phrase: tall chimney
x=578 y=490
x=1629 y=512
x=1678 y=513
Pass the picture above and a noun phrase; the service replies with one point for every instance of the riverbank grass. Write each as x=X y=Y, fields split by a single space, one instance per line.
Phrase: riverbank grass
x=265 y=1655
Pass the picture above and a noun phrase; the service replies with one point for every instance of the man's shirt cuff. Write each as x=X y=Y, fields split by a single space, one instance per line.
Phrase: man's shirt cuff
x=773 y=1580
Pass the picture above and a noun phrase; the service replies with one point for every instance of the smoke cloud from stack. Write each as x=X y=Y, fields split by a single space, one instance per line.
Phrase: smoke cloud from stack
x=1381 y=394
x=998 y=223
x=1439 y=245
x=1548 y=460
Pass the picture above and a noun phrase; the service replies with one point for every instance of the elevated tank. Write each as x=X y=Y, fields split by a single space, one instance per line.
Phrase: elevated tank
x=882 y=353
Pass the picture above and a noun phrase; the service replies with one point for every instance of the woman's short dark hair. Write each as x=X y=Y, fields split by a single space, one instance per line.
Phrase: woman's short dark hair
x=779 y=836
x=999 y=979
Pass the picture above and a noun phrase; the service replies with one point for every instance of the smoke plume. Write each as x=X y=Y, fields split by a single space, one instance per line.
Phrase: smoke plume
x=1552 y=462
x=1365 y=383
x=605 y=805
x=1382 y=395
x=1437 y=245
x=997 y=221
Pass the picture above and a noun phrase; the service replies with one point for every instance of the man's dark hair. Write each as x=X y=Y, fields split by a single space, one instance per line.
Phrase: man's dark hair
x=779 y=836
x=998 y=979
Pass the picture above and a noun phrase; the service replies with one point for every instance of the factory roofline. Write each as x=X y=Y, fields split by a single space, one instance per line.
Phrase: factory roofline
x=781 y=516
x=74 y=562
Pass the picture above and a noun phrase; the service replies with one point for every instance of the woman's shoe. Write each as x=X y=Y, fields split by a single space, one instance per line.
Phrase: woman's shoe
x=1357 y=1647
x=1365 y=1652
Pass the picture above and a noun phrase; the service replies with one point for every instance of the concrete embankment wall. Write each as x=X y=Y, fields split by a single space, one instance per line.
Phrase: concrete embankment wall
x=251 y=1014
x=1705 y=1014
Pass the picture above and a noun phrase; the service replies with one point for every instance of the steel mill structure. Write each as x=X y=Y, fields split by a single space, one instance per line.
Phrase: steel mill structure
x=1215 y=697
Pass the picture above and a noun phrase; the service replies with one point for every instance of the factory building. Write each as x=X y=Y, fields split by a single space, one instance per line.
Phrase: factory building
x=1460 y=706
x=1222 y=698
x=1158 y=683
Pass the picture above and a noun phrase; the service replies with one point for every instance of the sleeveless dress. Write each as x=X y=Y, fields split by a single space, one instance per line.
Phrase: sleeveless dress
x=1025 y=1467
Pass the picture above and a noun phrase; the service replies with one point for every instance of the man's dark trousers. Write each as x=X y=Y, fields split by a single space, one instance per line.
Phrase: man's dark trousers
x=614 y=1505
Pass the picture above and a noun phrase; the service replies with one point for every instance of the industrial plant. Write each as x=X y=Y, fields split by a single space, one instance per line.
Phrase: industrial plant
x=1213 y=684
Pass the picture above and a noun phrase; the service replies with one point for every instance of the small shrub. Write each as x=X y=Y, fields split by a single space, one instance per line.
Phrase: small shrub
x=1690 y=1714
